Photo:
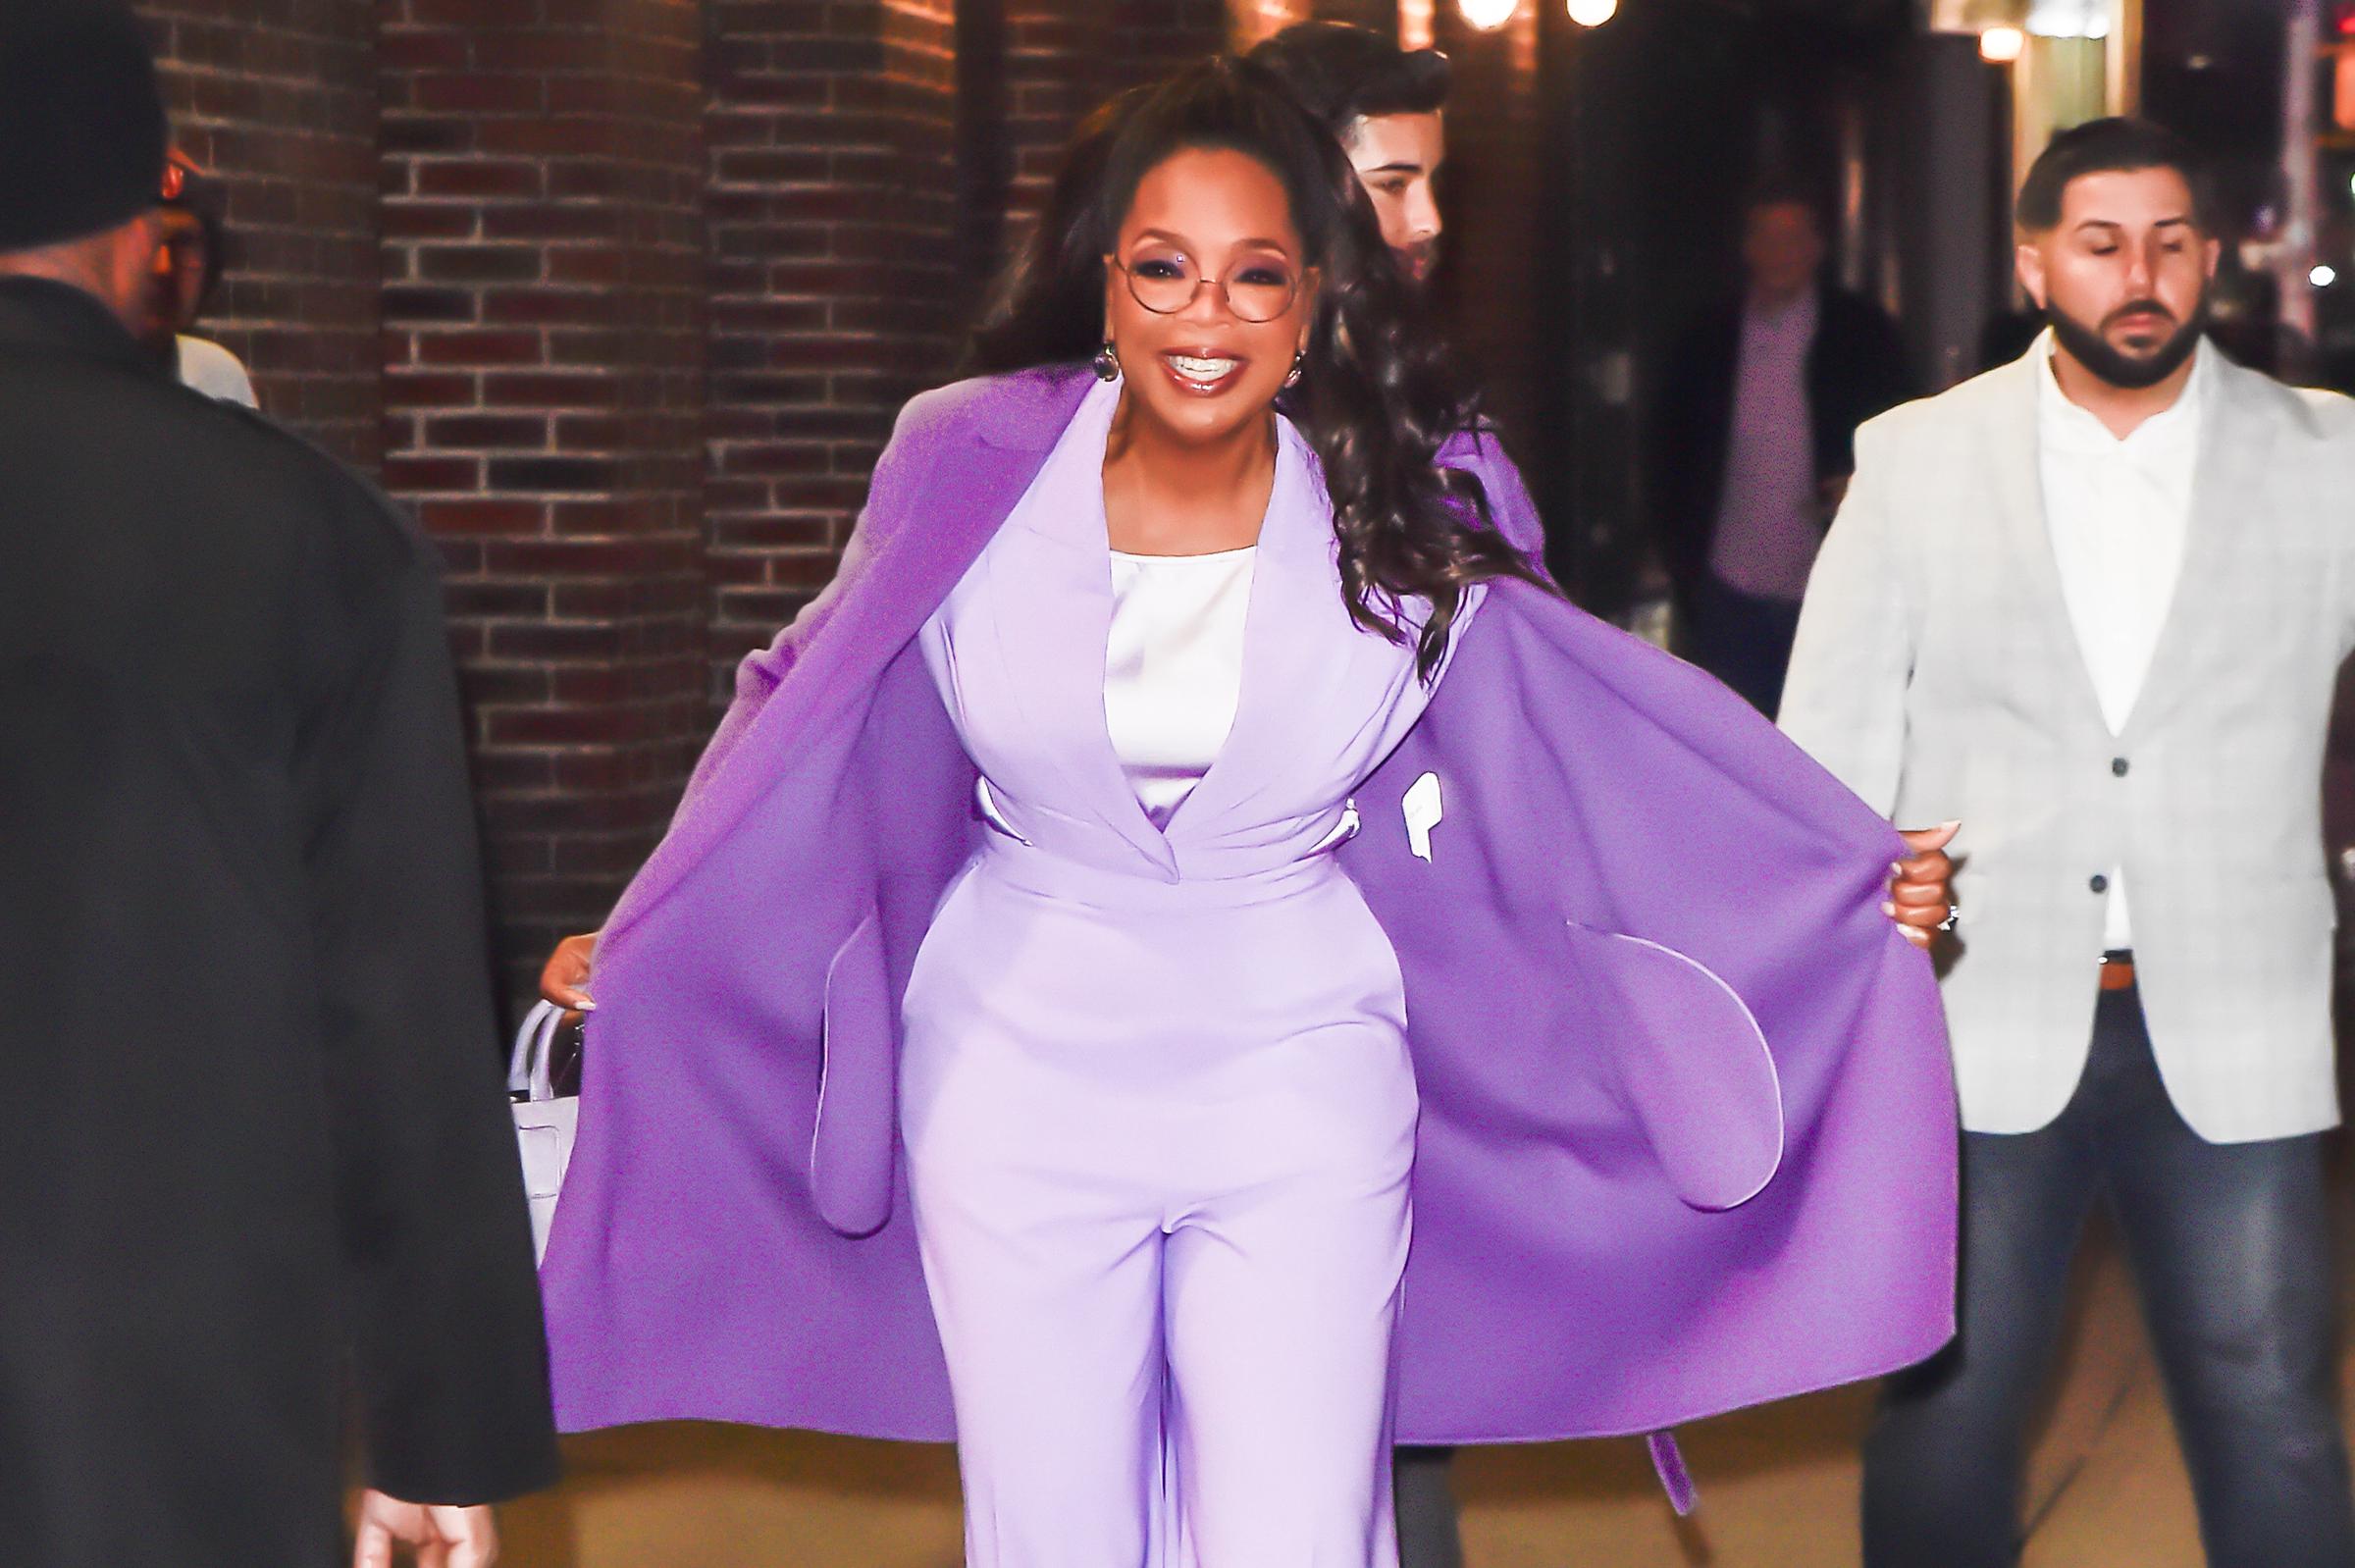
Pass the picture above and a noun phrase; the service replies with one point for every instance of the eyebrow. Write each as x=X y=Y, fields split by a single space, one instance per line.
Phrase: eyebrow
x=1185 y=244
x=1403 y=166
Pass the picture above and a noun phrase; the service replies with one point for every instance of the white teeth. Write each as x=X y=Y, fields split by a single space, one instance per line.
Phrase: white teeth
x=1201 y=369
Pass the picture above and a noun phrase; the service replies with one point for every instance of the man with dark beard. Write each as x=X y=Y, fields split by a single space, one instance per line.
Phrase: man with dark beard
x=2093 y=604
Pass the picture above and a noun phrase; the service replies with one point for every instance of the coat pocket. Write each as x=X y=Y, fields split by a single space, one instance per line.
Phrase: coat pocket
x=854 y=1147
x=1690 y=1062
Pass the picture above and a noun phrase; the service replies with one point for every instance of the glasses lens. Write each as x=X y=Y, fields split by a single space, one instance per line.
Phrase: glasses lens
x=1163 y=283
x=1261 y=291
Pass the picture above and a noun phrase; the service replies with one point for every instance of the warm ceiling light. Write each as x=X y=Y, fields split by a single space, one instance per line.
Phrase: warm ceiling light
x=1593 y=13
x=1487 y=15
x=2069 y=19
x=2000 y=46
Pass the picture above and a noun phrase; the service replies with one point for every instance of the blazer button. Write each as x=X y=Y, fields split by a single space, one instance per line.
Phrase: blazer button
x=2099 y=883
x=2117 y=766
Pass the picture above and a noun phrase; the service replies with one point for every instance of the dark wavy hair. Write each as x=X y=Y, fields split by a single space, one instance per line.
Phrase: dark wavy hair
x=1343 y=73
x=1374 y=402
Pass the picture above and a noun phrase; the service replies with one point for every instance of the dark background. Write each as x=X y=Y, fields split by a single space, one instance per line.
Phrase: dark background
x=621 y=294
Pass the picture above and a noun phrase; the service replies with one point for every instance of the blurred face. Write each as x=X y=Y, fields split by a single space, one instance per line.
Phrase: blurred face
x=1782 y=249
x=2123 y=276
x=176 y=276
x=1398 y=158
x=1207 y=296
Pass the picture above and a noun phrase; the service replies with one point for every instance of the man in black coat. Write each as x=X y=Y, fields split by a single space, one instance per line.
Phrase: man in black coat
x=256 y=1150
x=1755 y=438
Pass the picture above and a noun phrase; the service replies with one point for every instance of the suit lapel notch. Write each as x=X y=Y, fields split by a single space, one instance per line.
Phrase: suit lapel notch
x=2234 y=462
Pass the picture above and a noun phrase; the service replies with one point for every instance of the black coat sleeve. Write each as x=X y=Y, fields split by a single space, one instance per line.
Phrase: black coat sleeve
x=441 y=1294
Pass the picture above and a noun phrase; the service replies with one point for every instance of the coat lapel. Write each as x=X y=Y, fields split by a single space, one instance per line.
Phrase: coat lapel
x=2235 y=458
x=1055 y=551
x=2015 y=444
x=981 y=467
x=1287 y=667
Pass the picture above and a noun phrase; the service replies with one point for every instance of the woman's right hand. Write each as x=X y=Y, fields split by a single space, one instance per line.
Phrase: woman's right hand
x=565 y=979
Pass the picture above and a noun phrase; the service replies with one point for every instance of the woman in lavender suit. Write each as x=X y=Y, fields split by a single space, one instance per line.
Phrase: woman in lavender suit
x=1026 y=843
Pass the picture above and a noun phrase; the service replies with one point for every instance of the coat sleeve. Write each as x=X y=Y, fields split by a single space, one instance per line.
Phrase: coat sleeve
x=441 y=1299
x=1845 y=697
x=1481 y=454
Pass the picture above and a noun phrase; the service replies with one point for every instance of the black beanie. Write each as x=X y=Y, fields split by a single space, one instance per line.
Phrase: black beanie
x=82 y=130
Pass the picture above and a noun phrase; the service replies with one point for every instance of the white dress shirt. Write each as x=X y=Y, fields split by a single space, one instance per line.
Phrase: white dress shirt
x=214 y=371
x=1174 y=669
x=2118 y=511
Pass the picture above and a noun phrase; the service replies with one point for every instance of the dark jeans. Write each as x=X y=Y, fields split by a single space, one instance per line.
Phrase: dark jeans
x=2230 y=1244
x=1743 y=639
x=1427 y=1534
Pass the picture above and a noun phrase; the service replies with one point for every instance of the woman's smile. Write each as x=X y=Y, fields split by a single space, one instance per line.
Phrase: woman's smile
x=1202 y=373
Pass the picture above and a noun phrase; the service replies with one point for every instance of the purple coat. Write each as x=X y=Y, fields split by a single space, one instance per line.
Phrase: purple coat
x=1636 y=880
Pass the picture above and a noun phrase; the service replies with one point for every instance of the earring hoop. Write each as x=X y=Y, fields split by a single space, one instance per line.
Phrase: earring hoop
x=1107 y=363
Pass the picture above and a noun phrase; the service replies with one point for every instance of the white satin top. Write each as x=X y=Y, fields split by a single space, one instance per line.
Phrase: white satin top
x=1174 y=669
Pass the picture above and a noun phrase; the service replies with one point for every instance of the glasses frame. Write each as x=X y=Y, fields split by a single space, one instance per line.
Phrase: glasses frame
x=1205 y=280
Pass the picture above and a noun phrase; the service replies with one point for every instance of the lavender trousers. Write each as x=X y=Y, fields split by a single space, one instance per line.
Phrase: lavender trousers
x=1158 y=1140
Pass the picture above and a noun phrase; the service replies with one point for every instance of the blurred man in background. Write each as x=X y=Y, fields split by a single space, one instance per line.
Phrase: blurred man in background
x=1756 y=437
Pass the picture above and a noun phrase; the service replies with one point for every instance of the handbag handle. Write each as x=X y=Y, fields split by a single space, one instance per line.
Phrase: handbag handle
x=529 y=1067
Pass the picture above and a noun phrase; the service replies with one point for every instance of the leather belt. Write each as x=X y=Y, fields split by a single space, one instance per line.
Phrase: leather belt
x=2118 y=970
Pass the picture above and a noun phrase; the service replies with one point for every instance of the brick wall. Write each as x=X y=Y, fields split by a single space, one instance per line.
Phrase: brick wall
x=834 y=279
x=279 y=102
x=543 y=285
x=872 y=164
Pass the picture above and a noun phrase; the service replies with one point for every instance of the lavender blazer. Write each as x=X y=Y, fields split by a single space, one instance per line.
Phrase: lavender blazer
x=1645 y=970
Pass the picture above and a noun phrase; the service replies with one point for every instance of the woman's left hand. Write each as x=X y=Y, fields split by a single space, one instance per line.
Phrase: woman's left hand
x=1921 y=885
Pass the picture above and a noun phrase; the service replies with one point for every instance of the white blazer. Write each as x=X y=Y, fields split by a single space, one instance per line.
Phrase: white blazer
x=1938 y=674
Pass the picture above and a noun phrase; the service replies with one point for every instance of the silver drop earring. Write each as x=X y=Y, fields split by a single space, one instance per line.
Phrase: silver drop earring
x=1299 y=366
x=1107 y=363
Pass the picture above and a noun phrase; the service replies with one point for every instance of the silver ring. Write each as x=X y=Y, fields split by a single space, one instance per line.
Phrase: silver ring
x=1953 y=916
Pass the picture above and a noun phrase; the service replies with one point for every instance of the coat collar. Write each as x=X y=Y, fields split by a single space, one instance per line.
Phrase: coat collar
x=42 y=316
x=2234 y=440
x=1028 y=410
x=2235 y=472
x=932 y=530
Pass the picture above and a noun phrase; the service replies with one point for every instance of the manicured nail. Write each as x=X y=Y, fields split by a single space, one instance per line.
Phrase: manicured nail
x=1948 y=827
x=1889 y=909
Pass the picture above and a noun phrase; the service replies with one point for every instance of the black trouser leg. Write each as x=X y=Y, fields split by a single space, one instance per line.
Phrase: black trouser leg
x=1743 y=639
x=1427 y=1526
x=2230 y=1247
x=1944 y=1458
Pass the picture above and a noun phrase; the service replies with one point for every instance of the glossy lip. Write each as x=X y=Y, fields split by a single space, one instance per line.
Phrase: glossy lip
x=1201 y=388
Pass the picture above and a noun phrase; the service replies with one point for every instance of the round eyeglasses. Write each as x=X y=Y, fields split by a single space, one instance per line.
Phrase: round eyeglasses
x=1255 y=290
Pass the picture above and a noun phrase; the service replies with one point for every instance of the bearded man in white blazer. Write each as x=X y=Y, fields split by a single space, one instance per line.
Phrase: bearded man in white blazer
x=2092 y=604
